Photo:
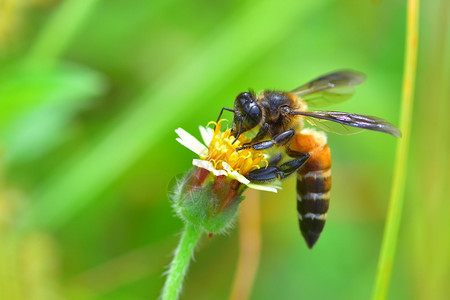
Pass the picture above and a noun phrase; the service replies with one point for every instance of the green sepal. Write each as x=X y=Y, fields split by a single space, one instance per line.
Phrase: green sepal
x=202 y=206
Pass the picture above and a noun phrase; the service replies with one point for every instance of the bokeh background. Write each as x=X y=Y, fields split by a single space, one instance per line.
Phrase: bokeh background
x=90 y=95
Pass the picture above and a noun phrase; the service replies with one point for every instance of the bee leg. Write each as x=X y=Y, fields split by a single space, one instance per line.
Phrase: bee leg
x=292 y=166
x=259 y=136
x=275 y=159
x=271 y=172
x=279 y=139
x=264 y=174
x=261 y=133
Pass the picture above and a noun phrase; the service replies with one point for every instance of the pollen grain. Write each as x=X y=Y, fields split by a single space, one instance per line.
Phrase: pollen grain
x=222 y=149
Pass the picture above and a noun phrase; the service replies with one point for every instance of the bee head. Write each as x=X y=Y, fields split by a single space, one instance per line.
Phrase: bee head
x=247 y=113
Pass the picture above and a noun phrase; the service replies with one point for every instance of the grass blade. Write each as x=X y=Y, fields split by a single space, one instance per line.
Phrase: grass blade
x=390 y=236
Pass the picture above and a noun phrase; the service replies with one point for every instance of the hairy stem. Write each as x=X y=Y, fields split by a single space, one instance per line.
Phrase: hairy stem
x=180 y=262
x=390 y=236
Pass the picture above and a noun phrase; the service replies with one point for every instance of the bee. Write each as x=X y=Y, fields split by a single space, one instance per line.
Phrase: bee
x=277 y=118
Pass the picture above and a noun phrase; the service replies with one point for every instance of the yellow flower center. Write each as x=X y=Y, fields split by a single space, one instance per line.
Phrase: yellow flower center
x=222 y=149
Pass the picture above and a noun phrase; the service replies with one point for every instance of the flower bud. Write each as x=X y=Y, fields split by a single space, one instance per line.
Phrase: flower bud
x=206 y=200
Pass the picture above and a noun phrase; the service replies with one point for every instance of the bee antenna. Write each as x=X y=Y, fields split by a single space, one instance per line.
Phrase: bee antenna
x=221 y=112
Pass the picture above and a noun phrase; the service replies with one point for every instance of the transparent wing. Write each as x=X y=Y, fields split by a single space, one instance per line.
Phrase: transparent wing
x=329 y=89
x=332 y=127
x=347 y=123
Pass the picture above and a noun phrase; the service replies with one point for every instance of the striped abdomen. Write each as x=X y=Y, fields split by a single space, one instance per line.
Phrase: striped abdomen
x=313 y=184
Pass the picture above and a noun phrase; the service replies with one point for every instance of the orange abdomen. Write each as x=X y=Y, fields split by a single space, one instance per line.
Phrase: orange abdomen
x=313 y=184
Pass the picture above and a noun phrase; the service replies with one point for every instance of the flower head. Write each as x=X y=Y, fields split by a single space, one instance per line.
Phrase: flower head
x=208 y=196
x=221 y=157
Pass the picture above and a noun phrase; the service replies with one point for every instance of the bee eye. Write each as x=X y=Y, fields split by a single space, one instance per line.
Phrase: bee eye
x=254 y=112
x=243 y=100
x=247 y=112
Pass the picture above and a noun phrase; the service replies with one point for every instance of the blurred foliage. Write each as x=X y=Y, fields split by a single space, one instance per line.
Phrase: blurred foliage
x=90 y=95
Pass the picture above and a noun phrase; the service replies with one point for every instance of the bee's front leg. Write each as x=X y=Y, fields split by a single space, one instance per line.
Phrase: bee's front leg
x=259 y=136
x=279 y=139
x=261 y=133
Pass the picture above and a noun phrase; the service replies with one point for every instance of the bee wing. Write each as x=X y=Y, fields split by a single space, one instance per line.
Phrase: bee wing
x=329 y=89
x=347 y=123
x=332 y=127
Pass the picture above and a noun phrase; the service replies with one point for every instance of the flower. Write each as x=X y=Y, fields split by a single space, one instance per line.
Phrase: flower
x=220 y=156
x=209 y=195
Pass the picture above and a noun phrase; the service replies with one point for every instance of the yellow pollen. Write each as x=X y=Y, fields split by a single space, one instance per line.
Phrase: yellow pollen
x=221 y=149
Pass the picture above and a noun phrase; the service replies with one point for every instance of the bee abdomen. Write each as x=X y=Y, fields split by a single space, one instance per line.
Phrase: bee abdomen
x=313 y=194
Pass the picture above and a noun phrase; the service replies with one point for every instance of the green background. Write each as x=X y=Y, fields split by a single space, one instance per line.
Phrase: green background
x=90 y=95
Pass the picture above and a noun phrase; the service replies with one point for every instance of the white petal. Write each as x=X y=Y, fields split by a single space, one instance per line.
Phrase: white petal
x=204 y=164
x=267 y=188
x=235 y=174
x=239 y=177
x=207 y=134
x=190 y=142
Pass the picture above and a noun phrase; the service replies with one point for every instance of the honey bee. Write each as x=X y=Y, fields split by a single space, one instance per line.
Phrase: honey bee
x=277 y=118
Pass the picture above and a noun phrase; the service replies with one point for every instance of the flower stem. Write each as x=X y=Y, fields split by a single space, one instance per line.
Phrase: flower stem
x=390 y=236
x=180 y=262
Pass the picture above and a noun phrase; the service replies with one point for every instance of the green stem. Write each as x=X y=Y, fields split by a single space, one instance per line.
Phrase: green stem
x=180 y=262
x=390 y=236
